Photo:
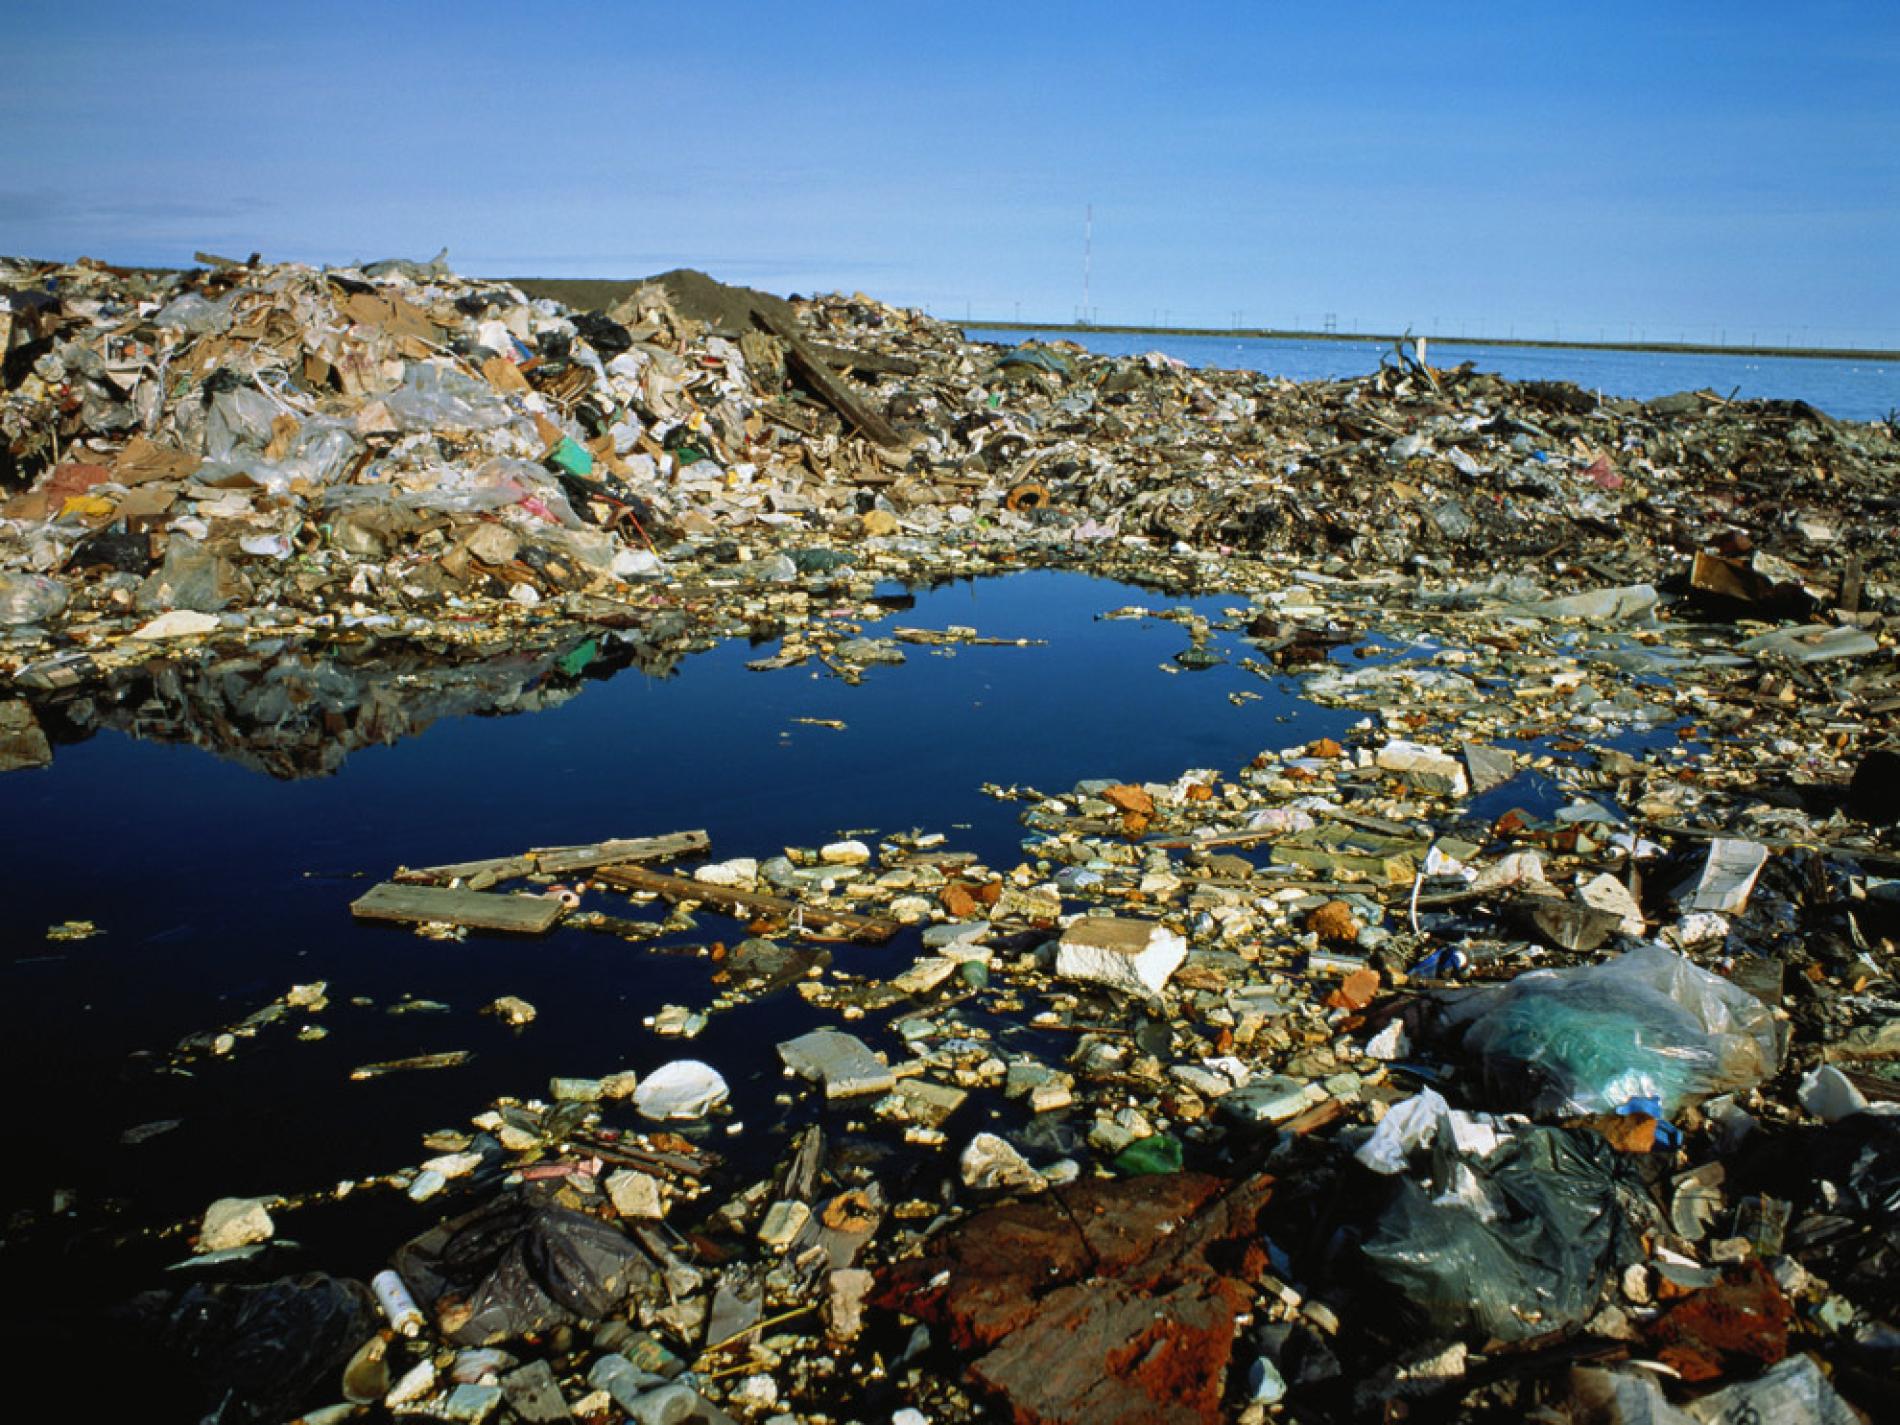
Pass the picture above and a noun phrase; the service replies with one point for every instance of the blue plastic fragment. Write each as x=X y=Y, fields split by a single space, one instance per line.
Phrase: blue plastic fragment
x=1440 y=963
x=1667 y=1134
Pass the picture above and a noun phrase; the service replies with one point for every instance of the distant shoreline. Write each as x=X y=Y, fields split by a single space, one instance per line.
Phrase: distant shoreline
x=602 y=292
x=1686 y=348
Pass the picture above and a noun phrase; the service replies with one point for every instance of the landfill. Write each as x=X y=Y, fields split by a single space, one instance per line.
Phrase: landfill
x=1531 y=1051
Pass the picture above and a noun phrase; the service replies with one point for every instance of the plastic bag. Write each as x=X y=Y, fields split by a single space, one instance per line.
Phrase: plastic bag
x=239 y=424
x=512 y=1268
x=1512 y=1245
x=1793 y=1393
x=320 y=453
x=685 y=1088
x=1646 y=1024
x=192 y=313
x=260 y=1353
x=29 y=598
x=192 y=577
x=441 y=398
x=495 y=485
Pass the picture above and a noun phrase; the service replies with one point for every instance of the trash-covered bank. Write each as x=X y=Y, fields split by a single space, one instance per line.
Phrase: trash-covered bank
x=1521 y=1048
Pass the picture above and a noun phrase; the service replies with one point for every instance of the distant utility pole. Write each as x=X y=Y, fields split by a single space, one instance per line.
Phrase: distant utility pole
x=1088 y=256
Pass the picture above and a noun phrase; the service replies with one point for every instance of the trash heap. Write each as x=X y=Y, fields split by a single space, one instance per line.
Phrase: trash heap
x=253 y=451
x=1527 y=1052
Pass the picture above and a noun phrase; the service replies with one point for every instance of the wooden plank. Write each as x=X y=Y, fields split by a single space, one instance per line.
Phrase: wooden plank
x=826 y=382
x=874 y=929
x=479 y=910
x=561 y=860
x=476 y=875
x=845 y=358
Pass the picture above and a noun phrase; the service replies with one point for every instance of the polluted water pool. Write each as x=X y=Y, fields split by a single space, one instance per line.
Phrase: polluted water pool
x=210 y=838
x=213 y=887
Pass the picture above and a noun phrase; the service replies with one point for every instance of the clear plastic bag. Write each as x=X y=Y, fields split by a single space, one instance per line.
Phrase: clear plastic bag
x=435 y=397
x=190 y=312
x=321 y=452
x=497 y=484
x=30 y=598
x=1646 y=1024
x=239 y=424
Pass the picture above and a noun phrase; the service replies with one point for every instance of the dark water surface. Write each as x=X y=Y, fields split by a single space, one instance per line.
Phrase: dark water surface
x=1863 y=389
x=218 y=887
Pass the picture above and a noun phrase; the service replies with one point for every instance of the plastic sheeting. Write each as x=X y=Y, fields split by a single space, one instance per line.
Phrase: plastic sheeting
x=260 y=1353
x=1510 y=1246
x=1646 y=1024
x=512 y=1268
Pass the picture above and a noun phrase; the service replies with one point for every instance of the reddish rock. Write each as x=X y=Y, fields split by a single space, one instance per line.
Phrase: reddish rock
x=1740 y=1323
x=1625 y=1132
x=1105 y=1303
x=958 y=900
x=1334 y=921
x=1132 y=800
x=1356 y=991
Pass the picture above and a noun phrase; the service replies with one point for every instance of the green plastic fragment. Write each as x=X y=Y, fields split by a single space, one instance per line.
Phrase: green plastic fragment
x=572 y=457
x=1147 y=1156
x=577 y=659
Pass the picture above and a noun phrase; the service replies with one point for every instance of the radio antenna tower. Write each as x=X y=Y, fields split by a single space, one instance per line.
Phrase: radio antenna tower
x=1088 y=257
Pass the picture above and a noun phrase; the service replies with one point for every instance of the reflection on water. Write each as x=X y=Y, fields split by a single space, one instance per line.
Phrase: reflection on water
x=291 y=711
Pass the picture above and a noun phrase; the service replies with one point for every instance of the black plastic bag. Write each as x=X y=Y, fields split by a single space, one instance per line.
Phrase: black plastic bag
x=1510 y=1246
x=512 y=1268
x=259 y=1353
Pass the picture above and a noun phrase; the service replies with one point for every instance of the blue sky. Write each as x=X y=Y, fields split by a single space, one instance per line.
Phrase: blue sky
x=1537 y=170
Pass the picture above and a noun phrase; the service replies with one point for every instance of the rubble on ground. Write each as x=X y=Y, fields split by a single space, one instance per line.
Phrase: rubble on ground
x=1526 y=1052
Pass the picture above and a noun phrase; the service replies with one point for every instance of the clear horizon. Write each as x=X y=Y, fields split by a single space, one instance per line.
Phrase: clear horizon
x=1623 y=173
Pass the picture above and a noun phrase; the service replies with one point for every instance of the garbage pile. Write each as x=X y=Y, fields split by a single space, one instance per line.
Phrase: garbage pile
x=1527 y=1052
x=251 y=451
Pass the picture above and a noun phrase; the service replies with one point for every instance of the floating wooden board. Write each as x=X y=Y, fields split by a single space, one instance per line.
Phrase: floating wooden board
x=875 y=929
x=560 y=860
x=479 y=910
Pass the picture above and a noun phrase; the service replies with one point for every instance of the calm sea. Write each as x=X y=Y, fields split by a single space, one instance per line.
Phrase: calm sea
x=1852 y=390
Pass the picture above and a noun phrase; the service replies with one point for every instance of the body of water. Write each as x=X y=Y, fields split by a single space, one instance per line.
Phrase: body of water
x=217 y=886
x=1858 y=390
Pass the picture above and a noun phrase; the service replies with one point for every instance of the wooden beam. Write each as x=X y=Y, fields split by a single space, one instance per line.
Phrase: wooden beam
x=479 y=910
x=560 y=860
x=826 y=382
x=875 y=929
x=844 y=358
